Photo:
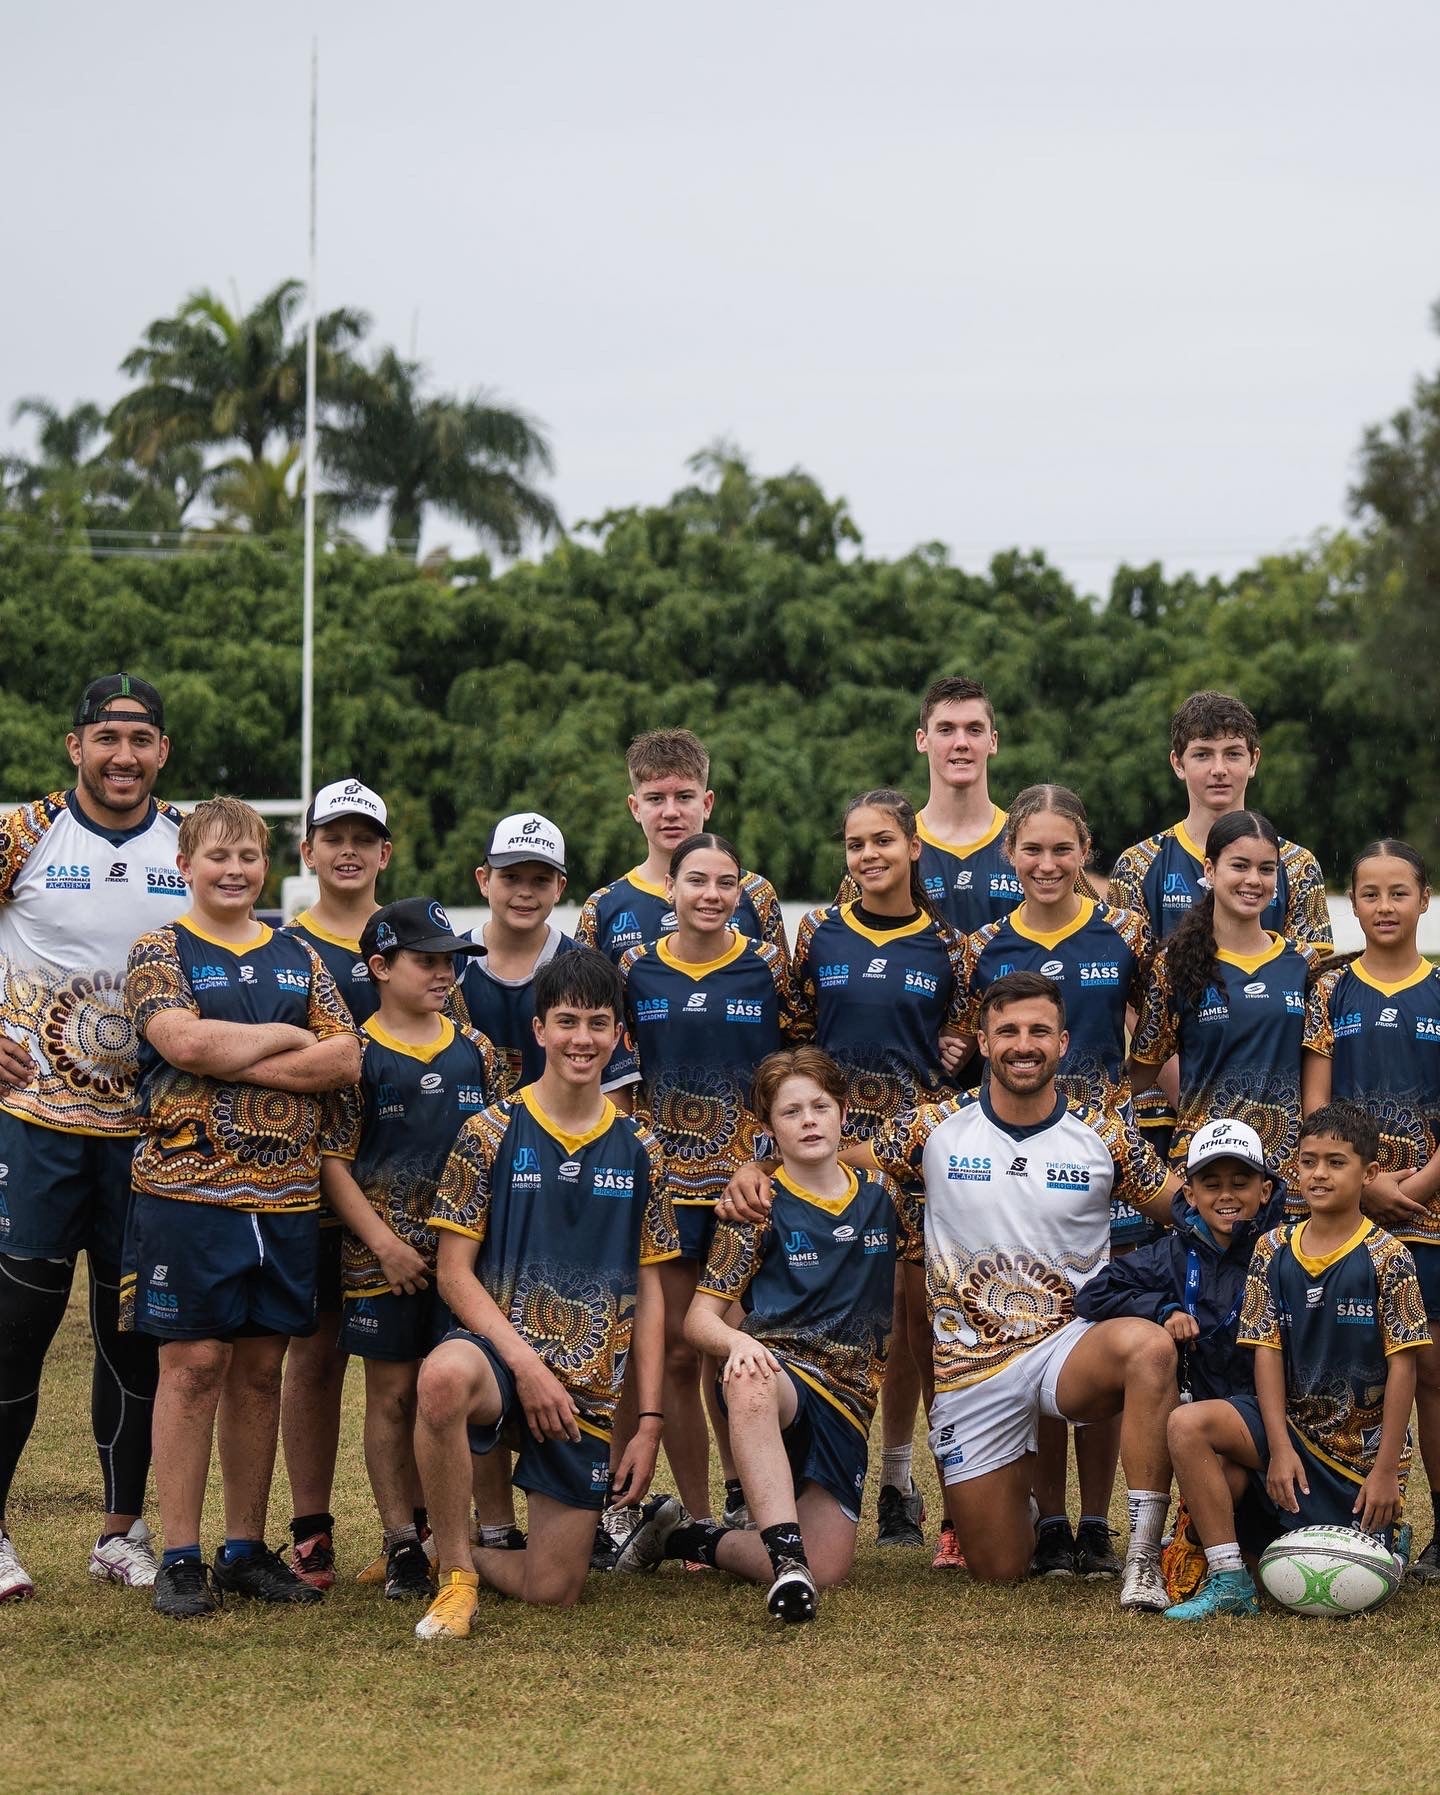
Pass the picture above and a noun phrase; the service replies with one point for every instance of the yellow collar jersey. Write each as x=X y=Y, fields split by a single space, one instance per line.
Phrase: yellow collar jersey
x=1163 y=877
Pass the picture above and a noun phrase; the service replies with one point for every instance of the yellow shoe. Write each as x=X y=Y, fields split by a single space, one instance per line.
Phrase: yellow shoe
x=452 y=1613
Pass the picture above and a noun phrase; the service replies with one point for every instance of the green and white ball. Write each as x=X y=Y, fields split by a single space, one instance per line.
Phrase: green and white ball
x=1337 y=1571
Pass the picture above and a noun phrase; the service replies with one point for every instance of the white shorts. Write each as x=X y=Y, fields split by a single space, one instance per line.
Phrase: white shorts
x=988 y=1425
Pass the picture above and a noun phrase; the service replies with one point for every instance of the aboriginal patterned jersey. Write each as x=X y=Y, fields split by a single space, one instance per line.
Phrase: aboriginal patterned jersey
x=699 y=1033
x=876 y=1001
x=73 y=896
x=1239 y=1046
x=342 y=960
x=1164 y=875
x=817 y=1284
x=1336 y=1320
x=397 y=1126
x=204 y=1140
x=1016 y=1220
x=970 y=883
x=564 y=1222
x=1383 y=1044
x=504 y=1011
x=632 y=911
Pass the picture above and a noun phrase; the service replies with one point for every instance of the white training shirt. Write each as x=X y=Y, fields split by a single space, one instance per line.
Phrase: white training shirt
x=73 y=899
x=1016 y=1220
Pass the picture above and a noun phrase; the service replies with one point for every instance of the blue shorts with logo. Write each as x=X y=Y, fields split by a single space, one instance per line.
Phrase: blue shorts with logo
x=1330 y=1503
x=64 y=1194
x=1426 y=1255
x=823 y=1447
x=393 y=1327
x=198 y=1271
x=573 y=1472
x=695 y=1224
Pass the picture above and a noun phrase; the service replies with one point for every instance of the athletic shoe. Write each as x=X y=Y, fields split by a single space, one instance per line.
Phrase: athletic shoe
x=1054 y=1550
x=604 y=1550
x=1094 y=1555
x=15 y=1584
x=1223 y=1592
x=644 y=1550
x=313 y=1561
x=452 y=1614
x=407 y=1573
x=1144 y=1587
x=130 y=1559
x=948 y=1556
x=899 y=1518
x=793 y=1596
x=374 y=1572
x=1182 y=1563
x=1424 y=1569
x=186 y=1591
x=264 y=1576
x=735 y=1514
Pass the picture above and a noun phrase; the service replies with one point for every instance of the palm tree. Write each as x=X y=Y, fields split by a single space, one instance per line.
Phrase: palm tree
x=390 y=445
x=211 y=375
x=265 y=498
x=62 y=482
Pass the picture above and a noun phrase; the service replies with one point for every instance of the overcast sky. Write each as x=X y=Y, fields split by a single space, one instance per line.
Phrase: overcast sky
x=1112 y=280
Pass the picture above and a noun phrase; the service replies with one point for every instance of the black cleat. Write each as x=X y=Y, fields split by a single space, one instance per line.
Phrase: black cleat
x=604 y=1552
x=184 y=1590
x=407 y=1573
x=1054 y=1550
x=899 y=1518
x=1426 y=1568
x=264 y=1577
x=1094 y=1554
x=793 y=1597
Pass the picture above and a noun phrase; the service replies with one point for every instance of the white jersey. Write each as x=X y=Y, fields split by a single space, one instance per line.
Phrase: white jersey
x=73 y=899
x=1016 y=1220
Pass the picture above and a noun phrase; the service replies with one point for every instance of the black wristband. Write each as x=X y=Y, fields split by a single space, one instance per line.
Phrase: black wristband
x=651 y=1415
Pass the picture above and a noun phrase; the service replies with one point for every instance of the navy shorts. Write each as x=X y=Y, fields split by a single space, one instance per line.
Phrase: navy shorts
x=573 y=1472
x=823 y=1447
x=695 y=1224
x=396 y=1328
x=1427 y=1268
x=198 y=1271
x=64 y=1194
x=329 y=1294
x=1331 y=1501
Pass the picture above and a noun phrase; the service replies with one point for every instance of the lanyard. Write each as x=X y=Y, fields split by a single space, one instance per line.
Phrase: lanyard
x=1192 y=1290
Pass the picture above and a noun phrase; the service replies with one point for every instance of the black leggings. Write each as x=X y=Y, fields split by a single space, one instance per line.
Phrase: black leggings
x=33 y=1295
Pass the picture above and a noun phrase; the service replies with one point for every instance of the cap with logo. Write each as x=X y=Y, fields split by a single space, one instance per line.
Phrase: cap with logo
x=420 y=924
x=526 y=836
x=95 y=701
x=346 y=797
x=1225 y=1140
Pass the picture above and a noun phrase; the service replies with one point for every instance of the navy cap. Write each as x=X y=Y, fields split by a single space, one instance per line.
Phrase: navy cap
x=417 y=923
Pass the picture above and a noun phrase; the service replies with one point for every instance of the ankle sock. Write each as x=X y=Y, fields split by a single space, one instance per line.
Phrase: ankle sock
x=306 y=1526
x=1051 y=1521
x=697 y=1541
x=401 y=1536
x=1095 y=1521
x=734 y=1492
x=120 y=1533
x=895 y=1462
x=783 y=1540
x=1224 y=1558
x=1147 y=1509
x=241 y=1548
x=174 y=1554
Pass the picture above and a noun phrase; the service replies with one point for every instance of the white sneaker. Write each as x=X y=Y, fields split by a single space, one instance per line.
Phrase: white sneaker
x=1143 y=1587
x=793 y=1597
x=645 y=1548
x=129 y=1560
x=15 y=1584
x=620 y=1523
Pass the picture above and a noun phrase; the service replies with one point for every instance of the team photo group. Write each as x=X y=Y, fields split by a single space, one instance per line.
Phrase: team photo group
x=1134 y=1172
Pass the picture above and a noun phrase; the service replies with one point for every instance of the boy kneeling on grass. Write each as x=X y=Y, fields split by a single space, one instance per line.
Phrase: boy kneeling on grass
x=801 y=1378
x=1333 y=1310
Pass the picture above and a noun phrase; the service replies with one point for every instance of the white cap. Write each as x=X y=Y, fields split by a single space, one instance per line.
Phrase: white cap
x=526 y=836
x=346 y=797
x=1225 y=1140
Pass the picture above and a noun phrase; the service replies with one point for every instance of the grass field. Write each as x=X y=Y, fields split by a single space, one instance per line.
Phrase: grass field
x=910 y=1680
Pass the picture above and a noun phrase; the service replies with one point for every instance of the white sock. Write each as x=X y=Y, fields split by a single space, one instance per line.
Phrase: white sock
x=1224 y=1558
x=1148 y=1509
x=895 y=1467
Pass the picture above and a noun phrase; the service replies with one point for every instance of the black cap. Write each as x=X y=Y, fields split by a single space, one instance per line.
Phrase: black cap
x=91 y=708
x=417 y=923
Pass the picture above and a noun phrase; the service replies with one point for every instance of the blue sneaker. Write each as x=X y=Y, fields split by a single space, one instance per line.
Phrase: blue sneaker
x=1222 y=1592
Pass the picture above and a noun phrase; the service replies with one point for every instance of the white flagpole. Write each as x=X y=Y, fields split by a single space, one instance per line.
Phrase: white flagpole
x=307 y=626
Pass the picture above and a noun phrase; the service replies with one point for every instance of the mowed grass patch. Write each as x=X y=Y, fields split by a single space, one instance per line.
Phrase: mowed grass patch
x=910 y=1679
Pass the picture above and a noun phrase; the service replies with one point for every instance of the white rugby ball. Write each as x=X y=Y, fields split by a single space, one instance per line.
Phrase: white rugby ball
x=1337 y=1571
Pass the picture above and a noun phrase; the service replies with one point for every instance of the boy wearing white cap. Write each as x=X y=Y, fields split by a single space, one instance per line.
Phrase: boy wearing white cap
x=347 y=846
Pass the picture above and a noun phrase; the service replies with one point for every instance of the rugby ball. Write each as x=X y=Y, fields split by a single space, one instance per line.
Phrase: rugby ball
x=1337 y=1571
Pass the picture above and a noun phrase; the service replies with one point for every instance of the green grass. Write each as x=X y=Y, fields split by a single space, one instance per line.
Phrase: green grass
x=910 y=1680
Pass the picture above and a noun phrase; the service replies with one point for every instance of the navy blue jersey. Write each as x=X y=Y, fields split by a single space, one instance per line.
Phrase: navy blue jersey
x=1383 y=1044
x=700 y=1032
x=205 y=1140
x=633 y=911
x=876 y=1001
x=504 y=1012
x=396 y=1128
x=817 y=1284
x=1239 y=1047
x=564 y=1224
x=970 y=883
x=1336 y=1320
x=343 y=961
x=1164 y=876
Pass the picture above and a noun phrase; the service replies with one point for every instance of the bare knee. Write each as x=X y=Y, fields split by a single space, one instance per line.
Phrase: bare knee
x=195 y=1370
x=551 y=1588
x=1150 y=1356
x=443 y=1394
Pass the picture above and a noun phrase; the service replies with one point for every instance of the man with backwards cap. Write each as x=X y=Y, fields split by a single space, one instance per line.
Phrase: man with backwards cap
x=82 y=873
x=347 y=846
